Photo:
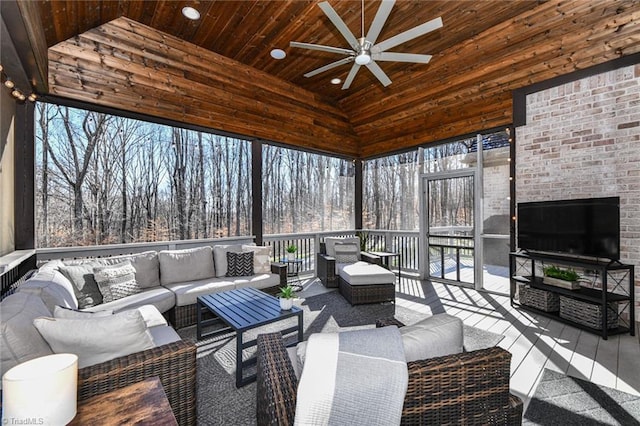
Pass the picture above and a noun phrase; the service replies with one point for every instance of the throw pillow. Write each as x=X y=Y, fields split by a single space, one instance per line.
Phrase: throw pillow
x=96 y=340
x=146 y=264
x=179 y=266
x=84 y=283
x=261 y=259
x=346 y=253
x=66 y=313
x=116 y=281
x=239 y=264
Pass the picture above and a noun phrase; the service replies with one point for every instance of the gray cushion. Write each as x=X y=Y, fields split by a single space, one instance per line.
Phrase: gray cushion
x=61 y=312
x=261 y=258
x=116 y=281
x=85 y=286
x=346 y=253
x=96 y=340
x=220 y=257
x=187 y=292
x=257 y=281
x=163 y=335
x=434 y=336
x=186 y=265
x=239 y=264
x=20 y=341
x=52 y=287
x=160 y=297
x=146 y=264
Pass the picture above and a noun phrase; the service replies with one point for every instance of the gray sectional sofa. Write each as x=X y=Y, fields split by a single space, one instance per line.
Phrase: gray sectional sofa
x=41 y=317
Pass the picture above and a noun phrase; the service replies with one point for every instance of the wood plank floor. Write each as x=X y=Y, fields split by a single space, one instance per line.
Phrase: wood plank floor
x=535 y=342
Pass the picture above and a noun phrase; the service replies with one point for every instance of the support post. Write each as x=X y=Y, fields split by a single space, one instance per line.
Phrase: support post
x=256 y=191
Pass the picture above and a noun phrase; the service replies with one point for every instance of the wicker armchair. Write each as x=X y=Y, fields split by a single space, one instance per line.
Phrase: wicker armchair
x=174 y=364
x=470 y=388
x=326 y=266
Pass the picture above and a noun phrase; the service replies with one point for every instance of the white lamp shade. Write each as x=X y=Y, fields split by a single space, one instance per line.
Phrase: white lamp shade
x=42 y=390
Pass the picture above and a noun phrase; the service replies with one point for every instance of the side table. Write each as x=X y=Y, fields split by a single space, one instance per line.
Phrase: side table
x=293 y=272
x=140 y=403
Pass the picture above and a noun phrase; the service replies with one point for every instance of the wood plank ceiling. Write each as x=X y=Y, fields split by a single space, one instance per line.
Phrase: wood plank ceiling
x=144 y=56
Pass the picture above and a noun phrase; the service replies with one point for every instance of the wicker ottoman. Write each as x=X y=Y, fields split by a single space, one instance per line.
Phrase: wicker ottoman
x=363 y=282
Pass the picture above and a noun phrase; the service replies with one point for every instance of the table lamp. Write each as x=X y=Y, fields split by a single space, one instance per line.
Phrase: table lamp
x=41 y=391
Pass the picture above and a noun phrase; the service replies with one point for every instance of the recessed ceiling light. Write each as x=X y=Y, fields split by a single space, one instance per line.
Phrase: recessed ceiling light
x=278 y=54
x=190 y=13
x=336 y=81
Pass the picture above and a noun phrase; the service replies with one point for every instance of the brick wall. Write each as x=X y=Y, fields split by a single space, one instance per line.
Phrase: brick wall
x=581 y=140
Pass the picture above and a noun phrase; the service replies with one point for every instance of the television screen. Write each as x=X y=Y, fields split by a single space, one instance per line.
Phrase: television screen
x=587 y=227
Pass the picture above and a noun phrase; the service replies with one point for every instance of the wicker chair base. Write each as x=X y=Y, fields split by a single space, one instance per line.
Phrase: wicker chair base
x=185 y=316
x=361 y=294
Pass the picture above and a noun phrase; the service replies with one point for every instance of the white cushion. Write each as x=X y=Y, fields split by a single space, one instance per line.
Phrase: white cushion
x=363 y=273
x=257 y=281
x=61 y=312
x=220 y=257
x=261 y=258
x=116 y=281
x=186 y=265
x=96 y=340
x=187 y=292
x=439 y=335
x=330 y=243
x=52 y=287
x=152 y=316
x=160 y=297
x=163 y=335
x=19 y=340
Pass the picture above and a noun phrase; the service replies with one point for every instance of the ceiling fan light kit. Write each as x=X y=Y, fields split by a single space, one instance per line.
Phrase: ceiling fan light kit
x=364 y=51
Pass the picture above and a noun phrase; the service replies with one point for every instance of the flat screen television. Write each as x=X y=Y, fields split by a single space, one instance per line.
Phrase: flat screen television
x=585 y=227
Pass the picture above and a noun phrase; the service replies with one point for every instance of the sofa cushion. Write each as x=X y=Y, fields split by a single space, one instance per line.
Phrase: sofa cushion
x=61 y=312
x=239 y=264
x=146 y=264
x=220 y=257
x=438 y=335
x=346 y=253
x=151 y=315
x=52 y=287
x=363 y=273
x=116 y=281
x=257 y=281
x=187 y=292
x=330 y=243
x=85 y=286
x=20 y=341
x=261 y=258
x=163 y=335
x=186 y=265
x=96 y=340
x=160 y=297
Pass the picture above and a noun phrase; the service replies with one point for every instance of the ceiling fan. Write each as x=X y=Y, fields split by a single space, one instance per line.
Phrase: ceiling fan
x=364 y=51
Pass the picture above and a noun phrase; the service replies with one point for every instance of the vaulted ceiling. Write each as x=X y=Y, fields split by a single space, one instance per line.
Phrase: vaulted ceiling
x=144 y=56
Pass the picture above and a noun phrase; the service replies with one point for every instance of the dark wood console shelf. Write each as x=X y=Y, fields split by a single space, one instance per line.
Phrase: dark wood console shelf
x=622 y=290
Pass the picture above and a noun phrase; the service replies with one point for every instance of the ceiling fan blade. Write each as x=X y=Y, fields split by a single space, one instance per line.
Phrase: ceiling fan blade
x=378 y=22
x=321 y=47
x=352 y=74
x=414 y=32
x=329 y=66
x=380 y=75
x=401 y=57
x=339 y=24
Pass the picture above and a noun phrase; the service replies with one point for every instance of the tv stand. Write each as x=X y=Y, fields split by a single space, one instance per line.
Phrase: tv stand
x=610 y=293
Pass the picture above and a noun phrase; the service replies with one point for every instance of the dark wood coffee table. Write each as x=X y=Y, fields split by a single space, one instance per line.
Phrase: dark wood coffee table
x=243 y=310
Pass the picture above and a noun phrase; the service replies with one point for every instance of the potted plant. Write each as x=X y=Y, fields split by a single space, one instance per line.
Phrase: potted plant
x=286 y=296
x=291 y=252
x=565 y=278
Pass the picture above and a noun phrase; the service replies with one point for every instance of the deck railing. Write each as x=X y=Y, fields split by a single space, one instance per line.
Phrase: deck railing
x=405 y=243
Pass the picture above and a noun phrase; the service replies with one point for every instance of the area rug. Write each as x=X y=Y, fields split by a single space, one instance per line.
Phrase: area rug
x=565 y=400
x=220 y=403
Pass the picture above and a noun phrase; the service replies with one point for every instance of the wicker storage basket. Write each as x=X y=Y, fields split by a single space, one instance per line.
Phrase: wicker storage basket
x=588 y=314
x=539 y=299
